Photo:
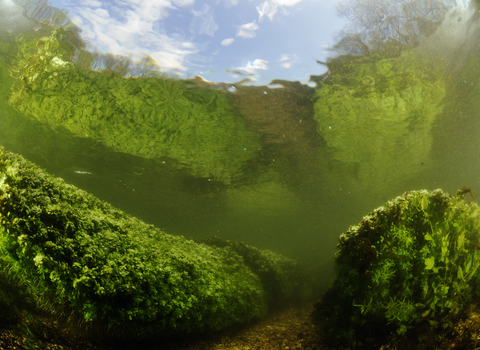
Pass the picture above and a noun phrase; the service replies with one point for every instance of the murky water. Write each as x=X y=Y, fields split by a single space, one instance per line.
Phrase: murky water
x=287 y=168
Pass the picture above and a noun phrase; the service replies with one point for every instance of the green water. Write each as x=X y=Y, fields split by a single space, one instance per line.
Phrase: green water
x=285 y=169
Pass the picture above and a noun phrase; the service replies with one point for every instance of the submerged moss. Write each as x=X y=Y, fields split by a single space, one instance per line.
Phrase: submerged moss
x=70 y=249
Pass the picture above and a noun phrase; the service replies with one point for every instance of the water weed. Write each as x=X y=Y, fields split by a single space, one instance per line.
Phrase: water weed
x=69 y=250
x=410 y=263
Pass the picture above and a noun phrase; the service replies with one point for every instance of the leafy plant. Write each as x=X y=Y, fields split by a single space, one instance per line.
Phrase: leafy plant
x=283 y=281
x=68 y=249
x=413 y=262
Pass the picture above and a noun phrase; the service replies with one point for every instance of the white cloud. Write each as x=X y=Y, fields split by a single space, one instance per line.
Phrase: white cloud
x=125 y=27
x=288 y=60
x=247 y=30
x=203 y=22
x=227 y=42
x=90 y=3
x=188 y=45
x=251 y=70
x=286 y=2
x=326 y=48
x=230 y=3
x=270 y=8
x=170 y=59
x=181 y=3
x=255 y=66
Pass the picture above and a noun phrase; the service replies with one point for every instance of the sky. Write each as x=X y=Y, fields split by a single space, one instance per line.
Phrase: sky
x=219 y=40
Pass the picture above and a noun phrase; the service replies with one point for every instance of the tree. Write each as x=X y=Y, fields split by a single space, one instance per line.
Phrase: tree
x=375 y=22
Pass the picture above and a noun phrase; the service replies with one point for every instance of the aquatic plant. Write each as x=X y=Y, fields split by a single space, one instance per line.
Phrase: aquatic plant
x=412 y=263
x=390 y=101
x=150 y=117
x=283 y=280
x=69 y=249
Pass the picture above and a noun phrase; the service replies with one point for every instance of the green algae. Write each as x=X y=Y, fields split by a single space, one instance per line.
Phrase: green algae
x=392 y=102
x=152 y=117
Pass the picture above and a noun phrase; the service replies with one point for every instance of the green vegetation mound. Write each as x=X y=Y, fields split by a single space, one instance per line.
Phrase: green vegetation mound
x=149 y=117
x=282 y=279
x=411 y=263
x=70 y=249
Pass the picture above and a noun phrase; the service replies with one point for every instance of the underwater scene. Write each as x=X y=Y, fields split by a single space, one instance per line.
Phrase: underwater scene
x=265 y=174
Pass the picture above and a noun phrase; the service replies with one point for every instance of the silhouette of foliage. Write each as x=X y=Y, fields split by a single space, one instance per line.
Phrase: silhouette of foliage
x=376 y=22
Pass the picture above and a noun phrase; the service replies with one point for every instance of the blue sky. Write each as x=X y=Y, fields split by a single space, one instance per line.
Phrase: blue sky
x=222 y=40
